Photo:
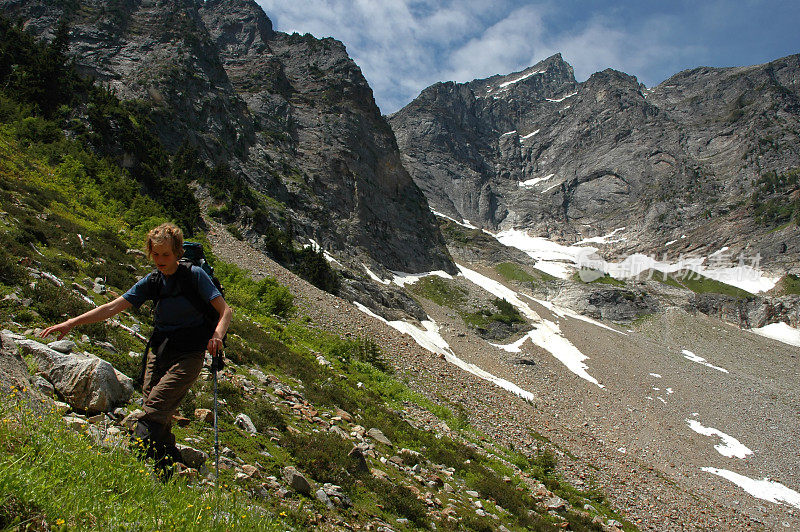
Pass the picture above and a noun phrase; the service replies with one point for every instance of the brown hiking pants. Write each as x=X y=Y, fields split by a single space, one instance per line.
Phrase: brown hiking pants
x=165 y=384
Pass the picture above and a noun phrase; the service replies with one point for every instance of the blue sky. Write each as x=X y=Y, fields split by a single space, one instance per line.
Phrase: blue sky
x=403 y=46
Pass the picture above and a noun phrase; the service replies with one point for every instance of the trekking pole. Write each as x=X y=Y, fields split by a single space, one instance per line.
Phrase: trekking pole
x=216 y=427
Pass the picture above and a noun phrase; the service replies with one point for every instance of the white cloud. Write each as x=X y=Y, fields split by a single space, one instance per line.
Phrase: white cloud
x=503 y=47
x=403 y=46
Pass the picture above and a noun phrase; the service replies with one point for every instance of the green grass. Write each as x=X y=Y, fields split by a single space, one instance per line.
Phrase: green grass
x=601 y=278
x=52 y=475
x=700 y=284
x=514 y=272
x=443 y=292
x=790 y=284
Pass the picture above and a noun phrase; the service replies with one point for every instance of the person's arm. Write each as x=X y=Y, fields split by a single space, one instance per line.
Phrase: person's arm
x=225 y=315
x=103 y=312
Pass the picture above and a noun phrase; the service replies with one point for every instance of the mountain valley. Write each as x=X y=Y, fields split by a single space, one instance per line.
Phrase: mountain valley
x=567 y=304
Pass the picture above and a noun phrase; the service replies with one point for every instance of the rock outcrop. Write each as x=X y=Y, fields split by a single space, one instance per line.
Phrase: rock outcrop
x=291 y=114
x=536 y=150
x=87 y=383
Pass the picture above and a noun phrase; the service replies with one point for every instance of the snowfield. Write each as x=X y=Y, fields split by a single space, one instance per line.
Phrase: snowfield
x=730 y=446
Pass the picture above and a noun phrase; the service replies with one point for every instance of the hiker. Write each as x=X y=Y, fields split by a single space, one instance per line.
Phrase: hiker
x=181 y=335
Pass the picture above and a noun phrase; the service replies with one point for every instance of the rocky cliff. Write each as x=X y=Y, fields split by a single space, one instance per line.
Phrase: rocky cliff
x=536 y=150
x=291 y=114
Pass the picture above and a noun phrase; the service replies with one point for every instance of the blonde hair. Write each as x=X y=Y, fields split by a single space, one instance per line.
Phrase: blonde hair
x=162 y=233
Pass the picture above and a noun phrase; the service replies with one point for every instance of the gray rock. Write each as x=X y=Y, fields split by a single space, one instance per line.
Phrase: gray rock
x=130 y=420
x=323 y=498
x=555 y=503
x=296 y=480
x=751 y=312
x=357 y=455
x=378 y=436
x=258 y=374
x=75 y=422
x=107 y=346
x=339 y=432
x=62 y=346
x=88 y=384
x=192 y=457
x=262 y=102
x=44 y=386
x=244 y=422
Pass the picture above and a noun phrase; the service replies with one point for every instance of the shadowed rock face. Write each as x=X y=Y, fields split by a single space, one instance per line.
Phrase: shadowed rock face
x=292 y=114
x=536 y=150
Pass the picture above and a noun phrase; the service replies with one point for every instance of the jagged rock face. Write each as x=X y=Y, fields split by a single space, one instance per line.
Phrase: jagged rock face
x=535 y=150
x=293 y=114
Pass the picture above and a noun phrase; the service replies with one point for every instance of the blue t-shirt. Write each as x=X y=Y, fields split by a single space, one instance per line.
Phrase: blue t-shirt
x=174 y=311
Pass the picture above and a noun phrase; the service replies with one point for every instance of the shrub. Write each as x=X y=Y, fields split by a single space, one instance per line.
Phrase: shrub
x=265 y=416
x=363 y=349
x=11 y=273
x=265 y=296
x=508 y=313
x=400 y=500
x=324 y=456
x=314 y=268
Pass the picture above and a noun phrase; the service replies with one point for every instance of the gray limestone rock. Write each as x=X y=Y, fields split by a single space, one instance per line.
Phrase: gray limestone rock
x=292 y=115
x=192 y=457
x=62 y=346
x=296 y=480
x=244 y=422
x=87 y=383
x=378 y=436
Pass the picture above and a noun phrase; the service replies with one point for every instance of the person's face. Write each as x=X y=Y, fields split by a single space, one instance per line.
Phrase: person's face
x=164 y=258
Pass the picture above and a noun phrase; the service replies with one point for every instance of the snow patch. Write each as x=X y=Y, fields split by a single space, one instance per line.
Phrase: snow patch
x=688 y=355
x=766 y=489
x=605 y=239
x=782 y=332
x=509 y=133
x=529 y=135
x=546 y=335
x=521 y=78
x=317 y=248
x=561 y=261
x=729 y=446
x=464 y=223
x=656 y=375
x=367 y=311
x=564 y=312
x=402 y=279
x=375 y=277
x=531 y=182
x=563 y=98
x=429 y=338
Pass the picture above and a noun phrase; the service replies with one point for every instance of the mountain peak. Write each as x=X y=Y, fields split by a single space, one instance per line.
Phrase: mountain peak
x=550 y=71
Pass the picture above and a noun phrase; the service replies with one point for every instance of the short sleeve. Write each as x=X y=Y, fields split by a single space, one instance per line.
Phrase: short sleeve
x=205 y=285
x=140 y=292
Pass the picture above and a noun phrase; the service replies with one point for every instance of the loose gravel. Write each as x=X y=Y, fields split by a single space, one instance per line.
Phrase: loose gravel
x=622 y=438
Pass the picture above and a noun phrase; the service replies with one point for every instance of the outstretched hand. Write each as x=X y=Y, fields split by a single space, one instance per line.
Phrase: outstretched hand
x=62 y=329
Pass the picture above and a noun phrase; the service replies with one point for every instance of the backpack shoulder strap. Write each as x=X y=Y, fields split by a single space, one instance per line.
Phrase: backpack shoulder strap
x=188 y=283
x=154 y=283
